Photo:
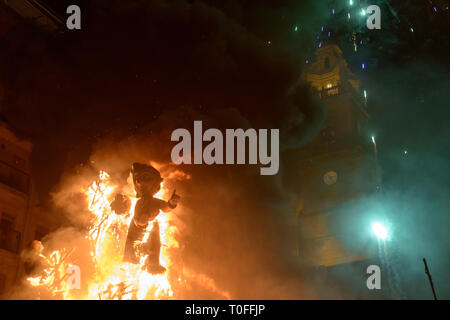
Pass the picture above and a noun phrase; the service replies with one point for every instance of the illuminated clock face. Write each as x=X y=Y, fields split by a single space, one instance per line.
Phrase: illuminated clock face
x=330 y=178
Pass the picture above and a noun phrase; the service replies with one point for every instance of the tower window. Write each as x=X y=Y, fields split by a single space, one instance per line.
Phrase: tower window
x=327 y=63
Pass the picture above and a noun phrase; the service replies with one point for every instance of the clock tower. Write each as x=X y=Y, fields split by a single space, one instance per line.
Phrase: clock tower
x=336 y=172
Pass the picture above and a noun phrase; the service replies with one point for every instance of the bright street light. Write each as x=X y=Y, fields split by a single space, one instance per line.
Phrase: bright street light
x=379 y=230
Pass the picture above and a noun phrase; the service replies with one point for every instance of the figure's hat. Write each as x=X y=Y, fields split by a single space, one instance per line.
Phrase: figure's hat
x=145 y=172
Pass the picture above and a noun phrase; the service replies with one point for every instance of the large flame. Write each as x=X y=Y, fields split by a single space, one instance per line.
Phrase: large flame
x=113 y=278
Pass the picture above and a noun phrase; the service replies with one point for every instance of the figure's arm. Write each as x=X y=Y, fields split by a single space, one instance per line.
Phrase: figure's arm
x=167 y=206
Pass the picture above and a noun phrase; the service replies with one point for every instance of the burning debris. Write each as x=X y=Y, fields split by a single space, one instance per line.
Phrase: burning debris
x=133 y=245
x=48 y=274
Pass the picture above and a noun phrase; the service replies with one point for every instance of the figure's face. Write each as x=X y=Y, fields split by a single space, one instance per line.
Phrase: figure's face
x=37 y=247
x=145 y=184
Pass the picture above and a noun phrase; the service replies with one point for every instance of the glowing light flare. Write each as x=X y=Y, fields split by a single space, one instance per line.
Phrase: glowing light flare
x=379 y=231
x=374 y=145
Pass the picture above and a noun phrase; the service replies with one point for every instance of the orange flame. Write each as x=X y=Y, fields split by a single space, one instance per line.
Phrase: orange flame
x=113 y=278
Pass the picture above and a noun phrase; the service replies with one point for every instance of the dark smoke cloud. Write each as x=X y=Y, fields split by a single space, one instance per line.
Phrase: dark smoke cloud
x=134 y=60
x=111 y=94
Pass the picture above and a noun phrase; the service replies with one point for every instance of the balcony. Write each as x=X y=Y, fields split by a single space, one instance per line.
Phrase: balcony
x=331 y=91
x=14 y=177
x=341 y=89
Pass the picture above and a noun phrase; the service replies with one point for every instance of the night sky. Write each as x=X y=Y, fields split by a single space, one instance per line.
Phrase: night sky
x=114 y=90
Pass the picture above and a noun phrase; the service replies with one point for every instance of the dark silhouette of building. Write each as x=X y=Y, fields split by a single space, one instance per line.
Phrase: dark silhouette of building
x=22 y=219
x=336 y=174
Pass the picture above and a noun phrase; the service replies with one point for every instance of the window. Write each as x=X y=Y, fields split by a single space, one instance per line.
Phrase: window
x=327 y=63
x=9 y=238
x=14 y=177
x=7 y=220
x=330 y=89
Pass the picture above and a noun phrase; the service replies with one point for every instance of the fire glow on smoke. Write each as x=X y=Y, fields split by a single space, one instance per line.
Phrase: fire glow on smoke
x=114 y=279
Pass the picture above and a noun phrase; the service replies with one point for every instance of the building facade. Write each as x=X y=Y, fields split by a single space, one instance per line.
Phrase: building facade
x=337 y=183
x=22 y=219
x=15 y=203
x=337 y=174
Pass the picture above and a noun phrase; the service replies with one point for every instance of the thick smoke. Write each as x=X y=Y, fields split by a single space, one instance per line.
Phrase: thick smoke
x=414 y=153
x=112 y=93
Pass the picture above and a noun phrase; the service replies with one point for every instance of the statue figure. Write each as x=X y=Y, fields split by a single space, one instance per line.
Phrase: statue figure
x=147 y=181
